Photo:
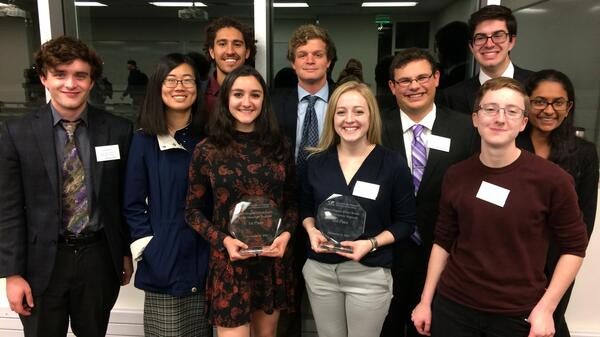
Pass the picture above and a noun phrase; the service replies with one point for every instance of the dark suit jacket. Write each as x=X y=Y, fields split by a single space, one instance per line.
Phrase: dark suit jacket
x=450 y=124
x=461 y=96
x=30 y=205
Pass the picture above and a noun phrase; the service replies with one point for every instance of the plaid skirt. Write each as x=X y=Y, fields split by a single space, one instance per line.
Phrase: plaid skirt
x=170 y=316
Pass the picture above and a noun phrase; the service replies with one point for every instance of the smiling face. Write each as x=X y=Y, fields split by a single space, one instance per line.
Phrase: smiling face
x=351 y=118
x=245 y=102
x=548 y=119
x=69 y=86
x=492 y=57
x=229 y=51
x=311 y=63
x=499 y=131
x=416 y=99
x=181 y=98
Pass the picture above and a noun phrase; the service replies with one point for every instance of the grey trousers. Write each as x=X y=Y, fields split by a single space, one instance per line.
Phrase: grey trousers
x=348 y=299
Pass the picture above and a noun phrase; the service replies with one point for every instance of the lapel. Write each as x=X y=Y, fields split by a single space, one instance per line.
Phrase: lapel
x=291 y=113
x=395 y=132
x=440 y=128
x=44 y=136
x=99 y=134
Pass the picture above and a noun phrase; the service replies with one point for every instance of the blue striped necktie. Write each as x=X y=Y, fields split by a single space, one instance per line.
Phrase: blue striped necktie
x=419 y=159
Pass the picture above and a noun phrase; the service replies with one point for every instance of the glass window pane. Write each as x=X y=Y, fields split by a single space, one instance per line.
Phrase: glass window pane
x=20 y=88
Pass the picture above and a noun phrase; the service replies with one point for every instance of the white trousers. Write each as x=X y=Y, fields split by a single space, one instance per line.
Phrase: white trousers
x=348 y=299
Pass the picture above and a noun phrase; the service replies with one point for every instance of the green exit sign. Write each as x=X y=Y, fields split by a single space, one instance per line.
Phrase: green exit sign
x=382 y=19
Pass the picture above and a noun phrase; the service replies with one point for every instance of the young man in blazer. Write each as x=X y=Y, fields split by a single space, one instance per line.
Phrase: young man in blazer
x=310 y=52
x=447 y=138
x=493 y=34
x=64 y=247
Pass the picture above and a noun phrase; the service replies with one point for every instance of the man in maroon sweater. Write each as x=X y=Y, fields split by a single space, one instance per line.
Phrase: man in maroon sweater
x=497 y=213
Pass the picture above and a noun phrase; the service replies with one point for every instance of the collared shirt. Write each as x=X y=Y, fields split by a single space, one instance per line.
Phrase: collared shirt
x=320 y=108
x=407 y=132
x=508 y=72
x=82 y=140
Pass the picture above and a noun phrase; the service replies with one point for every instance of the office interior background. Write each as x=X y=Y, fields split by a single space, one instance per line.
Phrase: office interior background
x=561 y=34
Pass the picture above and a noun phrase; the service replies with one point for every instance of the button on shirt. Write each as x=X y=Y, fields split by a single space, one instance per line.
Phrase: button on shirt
x=407 y=131
x=82 y=140
x=320 y=109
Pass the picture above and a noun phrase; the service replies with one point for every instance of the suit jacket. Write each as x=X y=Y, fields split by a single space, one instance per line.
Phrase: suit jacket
x=461 y=96
x=30 y=202
x=450 y=124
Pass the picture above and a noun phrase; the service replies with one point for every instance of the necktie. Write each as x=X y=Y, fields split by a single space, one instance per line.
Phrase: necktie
x=310 y=130
x=75 y=214
x=419 y=158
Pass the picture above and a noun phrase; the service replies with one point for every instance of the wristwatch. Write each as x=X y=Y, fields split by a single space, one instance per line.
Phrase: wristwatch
x=374 y=244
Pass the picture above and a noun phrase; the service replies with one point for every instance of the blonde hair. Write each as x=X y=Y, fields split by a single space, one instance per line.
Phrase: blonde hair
x=330 y=137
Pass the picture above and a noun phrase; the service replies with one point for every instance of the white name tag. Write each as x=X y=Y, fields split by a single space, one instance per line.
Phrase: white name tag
x=439 y=143
x=107 y=152
x=366 y=190
x=492 y=193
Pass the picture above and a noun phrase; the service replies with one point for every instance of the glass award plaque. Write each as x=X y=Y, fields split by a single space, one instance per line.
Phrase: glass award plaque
x=255 y=221
x=340 y=218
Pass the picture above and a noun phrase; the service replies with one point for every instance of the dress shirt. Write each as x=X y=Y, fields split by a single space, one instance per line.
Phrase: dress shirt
x=82 y=140
x=407 y=132
x=320 y=108
x=508 y=72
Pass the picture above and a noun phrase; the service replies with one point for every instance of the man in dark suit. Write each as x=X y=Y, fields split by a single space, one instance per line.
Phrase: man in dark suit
x=493 y=34
x=310 y=51
x=446 y=137
x=63 y=244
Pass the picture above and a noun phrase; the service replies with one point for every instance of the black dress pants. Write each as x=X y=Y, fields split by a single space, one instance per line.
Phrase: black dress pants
x=83 y=288
x=451 y=319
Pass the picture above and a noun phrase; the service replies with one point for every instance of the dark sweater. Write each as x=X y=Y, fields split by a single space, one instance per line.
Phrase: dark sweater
x=497 y=254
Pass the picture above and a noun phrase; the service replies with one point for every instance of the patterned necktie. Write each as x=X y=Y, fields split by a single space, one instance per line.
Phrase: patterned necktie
x=75 y=214
x=310 y=130
x=419 y=158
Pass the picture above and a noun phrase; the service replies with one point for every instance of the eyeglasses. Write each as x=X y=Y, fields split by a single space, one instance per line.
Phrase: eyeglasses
x=497 y=37
x=406 y=82
x=510 y=111
x=558 y=105
x=186 y=82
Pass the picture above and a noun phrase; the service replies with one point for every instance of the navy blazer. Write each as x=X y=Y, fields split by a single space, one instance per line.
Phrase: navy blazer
x=30 y=211
x=461 y=96
x=464 y=142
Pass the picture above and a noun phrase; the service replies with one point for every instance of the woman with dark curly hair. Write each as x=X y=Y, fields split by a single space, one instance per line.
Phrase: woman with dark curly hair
x=244 y=156
x=551 y=134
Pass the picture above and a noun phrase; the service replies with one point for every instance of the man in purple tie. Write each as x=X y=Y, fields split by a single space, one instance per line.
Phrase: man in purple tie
x=431 y=138
x=64 y=248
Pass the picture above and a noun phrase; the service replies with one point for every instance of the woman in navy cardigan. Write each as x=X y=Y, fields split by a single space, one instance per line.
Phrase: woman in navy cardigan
x=350 y=293
x=172 y=258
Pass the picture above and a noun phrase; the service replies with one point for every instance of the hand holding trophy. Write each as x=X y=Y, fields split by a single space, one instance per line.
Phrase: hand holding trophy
x=255 y=220
x=340 y=218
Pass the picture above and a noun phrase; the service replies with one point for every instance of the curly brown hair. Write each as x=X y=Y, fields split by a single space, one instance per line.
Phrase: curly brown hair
x=64 y=50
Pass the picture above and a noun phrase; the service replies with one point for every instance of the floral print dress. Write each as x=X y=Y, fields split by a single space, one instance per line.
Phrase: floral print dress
x=236 y=289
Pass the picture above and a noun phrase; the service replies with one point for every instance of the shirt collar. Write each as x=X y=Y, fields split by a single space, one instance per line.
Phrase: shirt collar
x=323 y=93
x=508 y=72
x=56 y=118
x=213 y=85
x=427 y=121
x=168 y=142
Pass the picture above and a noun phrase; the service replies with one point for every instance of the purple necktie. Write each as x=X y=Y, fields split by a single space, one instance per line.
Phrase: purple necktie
x=419 y=158
x=75 y=214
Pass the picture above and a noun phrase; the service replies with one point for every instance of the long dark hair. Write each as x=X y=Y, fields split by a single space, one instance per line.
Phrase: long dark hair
x=152 y=118
x=562 y=139
x=266 y=128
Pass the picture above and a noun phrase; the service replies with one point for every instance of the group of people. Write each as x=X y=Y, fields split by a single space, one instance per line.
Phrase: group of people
x=479 y=200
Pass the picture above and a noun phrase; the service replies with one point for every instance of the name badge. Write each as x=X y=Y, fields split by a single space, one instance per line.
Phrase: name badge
x=366 y=190
x=439 y=143
x=493 y=194
x=107 y=152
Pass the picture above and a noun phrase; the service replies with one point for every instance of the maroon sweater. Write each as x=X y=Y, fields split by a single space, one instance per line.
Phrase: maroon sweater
x=497 y=254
